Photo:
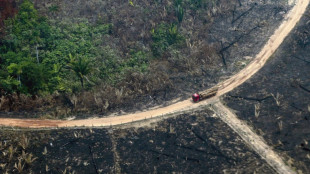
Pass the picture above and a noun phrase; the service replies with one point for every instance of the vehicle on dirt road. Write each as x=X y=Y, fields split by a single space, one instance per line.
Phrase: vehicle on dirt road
x=205 y=94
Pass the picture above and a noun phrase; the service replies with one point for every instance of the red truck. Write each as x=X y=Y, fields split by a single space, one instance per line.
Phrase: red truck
x=205 y=94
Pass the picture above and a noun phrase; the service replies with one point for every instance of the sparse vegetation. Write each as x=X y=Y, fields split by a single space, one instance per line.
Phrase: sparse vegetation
x=15 y=156
x=163 y=36
x=28 y=158
x=198 y=141
x=44 y=151
x=277 y=98
x=24 y=142
x=179 y=10
x=53 y=8
x=280 y=124
x=257 y=110
x=19 y=166
x=10 y=152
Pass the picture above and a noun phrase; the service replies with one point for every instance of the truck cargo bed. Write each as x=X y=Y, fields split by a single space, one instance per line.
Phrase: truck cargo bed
x=208 y=93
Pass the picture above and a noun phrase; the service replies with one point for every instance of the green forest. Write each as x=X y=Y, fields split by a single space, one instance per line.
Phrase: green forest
x=40 y=56
x=97 y=62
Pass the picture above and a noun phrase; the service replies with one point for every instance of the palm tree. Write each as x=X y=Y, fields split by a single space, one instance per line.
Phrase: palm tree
x=80 y=67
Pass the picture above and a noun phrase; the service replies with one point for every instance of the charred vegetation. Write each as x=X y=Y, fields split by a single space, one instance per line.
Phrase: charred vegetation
x=190 y=143
x=275 y=101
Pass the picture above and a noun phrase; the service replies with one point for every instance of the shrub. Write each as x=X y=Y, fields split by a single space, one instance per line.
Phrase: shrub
x=179 y=11
x=164 y=36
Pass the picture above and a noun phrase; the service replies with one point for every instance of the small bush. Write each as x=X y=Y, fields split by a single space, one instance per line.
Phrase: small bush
x=179 y=11
x=164 y=36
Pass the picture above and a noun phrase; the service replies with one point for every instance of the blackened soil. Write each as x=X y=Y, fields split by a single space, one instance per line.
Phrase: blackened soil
x=82 y=151
x=281 y=90
x=189 y=143
x=239 y=36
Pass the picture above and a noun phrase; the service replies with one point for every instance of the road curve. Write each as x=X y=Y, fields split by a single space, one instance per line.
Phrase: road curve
x=270 y=47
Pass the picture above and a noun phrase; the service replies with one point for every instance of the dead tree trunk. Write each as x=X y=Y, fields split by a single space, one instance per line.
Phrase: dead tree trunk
x=242 y=14
x=221 y=52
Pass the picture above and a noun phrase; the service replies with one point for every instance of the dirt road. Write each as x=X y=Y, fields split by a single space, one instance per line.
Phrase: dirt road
x=252 y=139
x=273 y=43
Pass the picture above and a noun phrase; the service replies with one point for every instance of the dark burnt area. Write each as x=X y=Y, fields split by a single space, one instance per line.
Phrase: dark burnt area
x=234 y=38
x=81 y=151
x=190 y=143
x=286 y=79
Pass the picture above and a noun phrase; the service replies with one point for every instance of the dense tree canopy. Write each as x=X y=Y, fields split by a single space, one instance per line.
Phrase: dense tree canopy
x=40 y=55
x=36 y=54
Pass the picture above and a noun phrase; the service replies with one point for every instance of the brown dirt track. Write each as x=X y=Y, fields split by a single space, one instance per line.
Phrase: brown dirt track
x=273 y=43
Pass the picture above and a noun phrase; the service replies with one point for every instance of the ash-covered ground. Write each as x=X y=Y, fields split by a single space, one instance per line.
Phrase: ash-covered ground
x=198 y=142
x=276 y=100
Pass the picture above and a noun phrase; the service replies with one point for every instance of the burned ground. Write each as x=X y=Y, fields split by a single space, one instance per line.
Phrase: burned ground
x=221 y=49
x=190 y=143
x=198 y=142
x=275 y=101
x=82 y=151
x=237 y=44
